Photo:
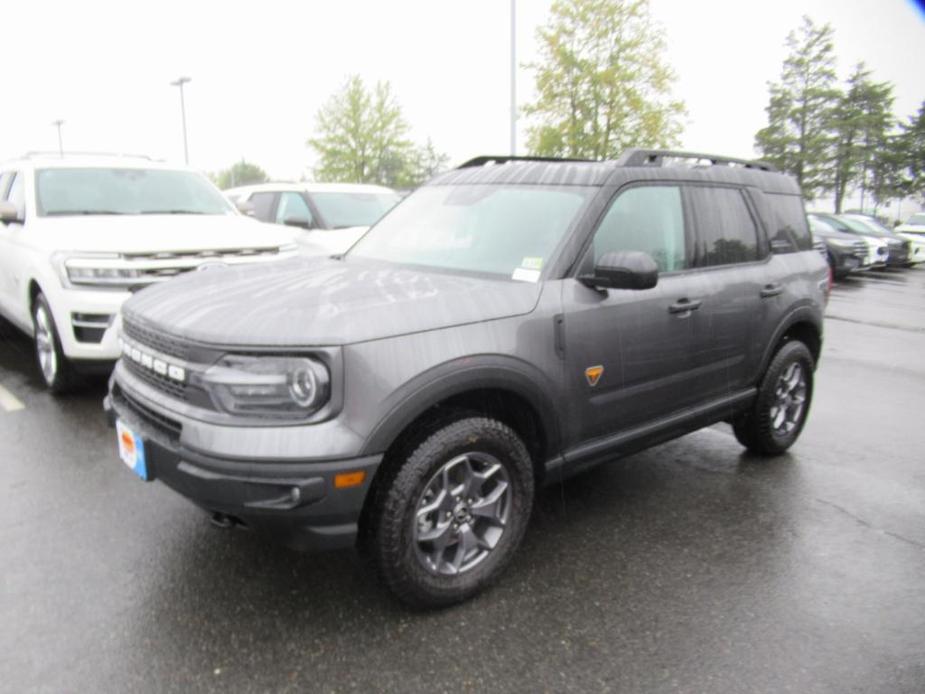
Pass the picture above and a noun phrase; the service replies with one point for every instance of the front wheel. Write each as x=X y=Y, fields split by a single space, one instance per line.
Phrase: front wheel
x=56 y=370
x=453 y=514
x=779 y=413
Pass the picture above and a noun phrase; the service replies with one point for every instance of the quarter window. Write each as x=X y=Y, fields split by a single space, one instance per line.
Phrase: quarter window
x=727 y=231
x=648 y=219
x=16 y=195
x=790 y=223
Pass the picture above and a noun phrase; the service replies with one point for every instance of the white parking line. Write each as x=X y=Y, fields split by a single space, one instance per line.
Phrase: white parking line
x=9 y=402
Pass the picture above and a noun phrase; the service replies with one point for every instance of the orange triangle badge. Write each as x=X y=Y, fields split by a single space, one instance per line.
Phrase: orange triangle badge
x=593 y=374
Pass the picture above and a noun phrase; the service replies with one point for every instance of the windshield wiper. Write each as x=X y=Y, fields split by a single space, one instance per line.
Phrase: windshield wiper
x=173 y=212
x=63 y=213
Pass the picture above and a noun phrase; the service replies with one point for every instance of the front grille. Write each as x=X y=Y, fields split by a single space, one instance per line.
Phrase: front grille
x=156 y=340
x=167 y=427
x=162 y=383
x=860 y=249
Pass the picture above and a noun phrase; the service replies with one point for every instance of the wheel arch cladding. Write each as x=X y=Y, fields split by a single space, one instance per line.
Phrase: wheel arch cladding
x=802 y=325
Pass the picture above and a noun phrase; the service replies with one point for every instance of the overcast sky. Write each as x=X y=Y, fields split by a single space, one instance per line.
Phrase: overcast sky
x=261 y=70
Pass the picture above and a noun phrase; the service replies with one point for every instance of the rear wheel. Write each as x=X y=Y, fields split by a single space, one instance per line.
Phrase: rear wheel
x=452 y=515
x=779 y=412
x=57 y=372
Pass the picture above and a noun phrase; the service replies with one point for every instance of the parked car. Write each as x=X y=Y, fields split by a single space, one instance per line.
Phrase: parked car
x=510 y=323
x=897 y=247
x=913 y=230
x=845 y=253
x=80 y=234
x=878 y=247
x=874 y=224
x=334 y=215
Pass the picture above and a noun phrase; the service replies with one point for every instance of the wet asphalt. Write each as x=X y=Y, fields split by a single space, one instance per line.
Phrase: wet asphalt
x=691 y=567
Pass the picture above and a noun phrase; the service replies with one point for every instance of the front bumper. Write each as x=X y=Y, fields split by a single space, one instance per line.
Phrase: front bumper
x=295 y=503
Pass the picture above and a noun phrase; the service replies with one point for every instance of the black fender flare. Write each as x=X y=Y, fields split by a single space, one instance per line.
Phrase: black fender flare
x=806 y=313
x=463 y=375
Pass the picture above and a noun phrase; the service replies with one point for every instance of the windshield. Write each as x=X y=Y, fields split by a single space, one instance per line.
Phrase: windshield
x=62 y=191
x=504 y=230
x=917 y=219
x=871 y=223
x=859 y=227
x=342 y=210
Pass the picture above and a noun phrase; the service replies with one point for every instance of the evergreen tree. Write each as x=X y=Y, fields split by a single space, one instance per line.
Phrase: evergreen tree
x=801 y=110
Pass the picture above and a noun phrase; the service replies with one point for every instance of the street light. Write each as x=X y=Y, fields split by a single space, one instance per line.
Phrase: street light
x=179 y=83
x=513 y=78
x=58 y=124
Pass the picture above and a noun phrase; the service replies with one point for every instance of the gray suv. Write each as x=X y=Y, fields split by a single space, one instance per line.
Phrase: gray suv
x=510 y=323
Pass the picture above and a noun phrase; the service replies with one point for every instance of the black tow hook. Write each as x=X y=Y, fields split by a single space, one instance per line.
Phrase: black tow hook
x=223 y=520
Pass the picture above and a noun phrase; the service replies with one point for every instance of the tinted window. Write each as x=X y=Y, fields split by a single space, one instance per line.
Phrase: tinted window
x=263 y=204
x=648 y=219
x=292 y=206
x=790 y=223
x=727 y=232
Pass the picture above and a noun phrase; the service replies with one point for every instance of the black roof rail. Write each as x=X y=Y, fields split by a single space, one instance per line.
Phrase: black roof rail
x=655 y=157
x=504 y=159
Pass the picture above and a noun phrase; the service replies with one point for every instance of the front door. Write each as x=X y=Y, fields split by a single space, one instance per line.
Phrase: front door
x=628 y=352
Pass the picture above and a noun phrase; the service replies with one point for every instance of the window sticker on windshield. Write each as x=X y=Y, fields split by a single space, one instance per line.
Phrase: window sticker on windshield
x=526 y=275
x=532 y=263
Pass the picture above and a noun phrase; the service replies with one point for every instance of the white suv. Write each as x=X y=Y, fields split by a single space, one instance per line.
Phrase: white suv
x=333 y=215
x=78 y=235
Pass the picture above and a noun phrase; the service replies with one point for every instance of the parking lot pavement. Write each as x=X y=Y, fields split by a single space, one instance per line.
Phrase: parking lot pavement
x=689 y=567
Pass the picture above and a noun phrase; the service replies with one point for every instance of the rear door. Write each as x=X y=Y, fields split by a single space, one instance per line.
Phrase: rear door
x=11 y=250
x=628 y=352
x=732 y=257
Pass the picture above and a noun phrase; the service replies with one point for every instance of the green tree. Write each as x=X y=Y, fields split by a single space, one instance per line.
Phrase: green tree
x=862 y=123
x=910 y=157
x=602 y=83
x=801 y=110
x=362 y=136
x=240 y=174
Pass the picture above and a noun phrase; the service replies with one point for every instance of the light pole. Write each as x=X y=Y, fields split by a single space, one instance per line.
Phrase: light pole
x=58 y=124
x=179 y=82
x=513 y=78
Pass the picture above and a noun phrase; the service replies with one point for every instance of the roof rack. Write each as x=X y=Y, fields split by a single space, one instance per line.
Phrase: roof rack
x=37 y=153
x=656 y=157
x=504 y=159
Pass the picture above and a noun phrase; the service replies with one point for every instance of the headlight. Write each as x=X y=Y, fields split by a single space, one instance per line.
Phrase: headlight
x=100 y=275
x=93 y=270
x=274 y=387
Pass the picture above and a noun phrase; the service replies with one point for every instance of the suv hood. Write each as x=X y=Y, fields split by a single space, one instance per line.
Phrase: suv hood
x=836 y=235
x=306 y=302
x=159 y=233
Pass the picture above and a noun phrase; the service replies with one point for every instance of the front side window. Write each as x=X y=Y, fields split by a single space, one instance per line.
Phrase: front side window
x=648 y=219
x=507 y=230
x=727 y=232
x=343 y=210
x=292 y=207
x=62 y=192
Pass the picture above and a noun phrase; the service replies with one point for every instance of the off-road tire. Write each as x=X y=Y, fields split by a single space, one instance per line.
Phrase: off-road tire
x=391 y=542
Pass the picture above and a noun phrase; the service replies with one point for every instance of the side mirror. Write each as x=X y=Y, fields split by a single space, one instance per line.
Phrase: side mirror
x=245 y=207
x=623 y=270
x=301 y=222
x=8 y=212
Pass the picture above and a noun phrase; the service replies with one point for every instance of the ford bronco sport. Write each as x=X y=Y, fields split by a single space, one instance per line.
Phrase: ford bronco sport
x=510 y=323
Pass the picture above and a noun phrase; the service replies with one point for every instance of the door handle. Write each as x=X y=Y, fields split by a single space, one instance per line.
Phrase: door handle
x=685 y=305
x=769 y=290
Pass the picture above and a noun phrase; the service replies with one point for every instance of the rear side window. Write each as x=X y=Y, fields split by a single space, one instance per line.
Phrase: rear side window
x=727 y=233
x=790 y=228
x=648 y=219
x=263 y=205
